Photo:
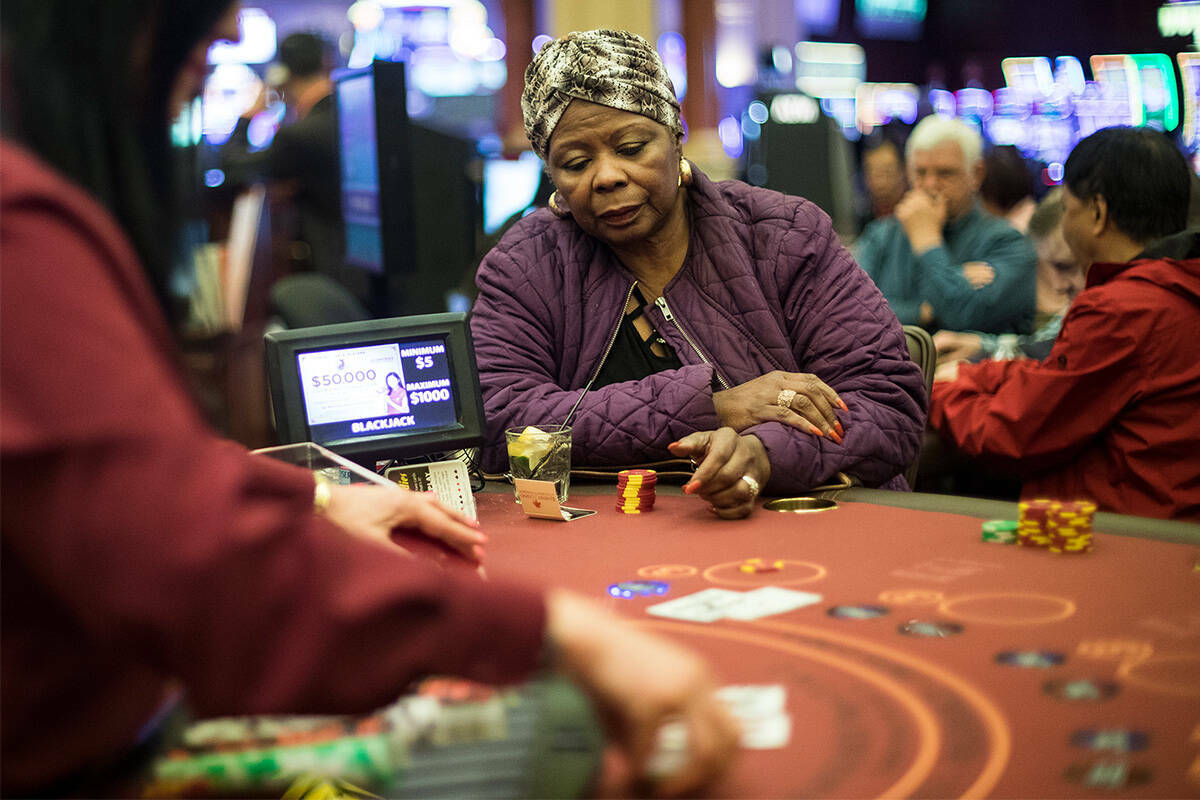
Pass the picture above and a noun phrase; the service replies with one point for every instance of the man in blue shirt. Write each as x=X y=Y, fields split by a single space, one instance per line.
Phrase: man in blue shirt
x=941 y=261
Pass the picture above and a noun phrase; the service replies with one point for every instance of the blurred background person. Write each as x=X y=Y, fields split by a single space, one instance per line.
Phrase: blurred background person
x=1007 y=188
x=941 y=261
x=883 y=179
x=1059 y=279
x=301 y=163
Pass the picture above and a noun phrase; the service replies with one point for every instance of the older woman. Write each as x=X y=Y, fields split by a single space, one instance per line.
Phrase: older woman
x=664 y=314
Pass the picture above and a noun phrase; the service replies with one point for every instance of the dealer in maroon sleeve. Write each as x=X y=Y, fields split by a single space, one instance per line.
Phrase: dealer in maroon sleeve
x=139 y=548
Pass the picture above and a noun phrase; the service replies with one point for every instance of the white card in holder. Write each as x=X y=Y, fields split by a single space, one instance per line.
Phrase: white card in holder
x=449 y=480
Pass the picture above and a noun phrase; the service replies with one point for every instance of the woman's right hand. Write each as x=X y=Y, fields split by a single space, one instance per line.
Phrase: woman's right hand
x=812 y=406
x=731 y=469
x=639 y=682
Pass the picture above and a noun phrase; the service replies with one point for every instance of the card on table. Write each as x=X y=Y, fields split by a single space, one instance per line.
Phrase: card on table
x=761 y=712
x=753 y=700
x=707 y=605
x=710 y=605
x=766 y=733
x=770 y=600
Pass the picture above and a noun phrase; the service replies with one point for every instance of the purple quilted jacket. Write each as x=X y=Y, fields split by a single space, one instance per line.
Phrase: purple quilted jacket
x=765 y=285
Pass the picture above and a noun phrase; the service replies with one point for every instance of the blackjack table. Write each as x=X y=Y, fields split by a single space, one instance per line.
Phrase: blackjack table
x=931 y=663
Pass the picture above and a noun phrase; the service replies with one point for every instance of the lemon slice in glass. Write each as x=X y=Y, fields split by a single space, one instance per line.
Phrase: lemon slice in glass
x=530 y=448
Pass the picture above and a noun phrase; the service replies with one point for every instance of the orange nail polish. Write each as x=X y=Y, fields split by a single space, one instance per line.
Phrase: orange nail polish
x=840 y=430
x=842 y=403
x=816 y=430
x=833 y=435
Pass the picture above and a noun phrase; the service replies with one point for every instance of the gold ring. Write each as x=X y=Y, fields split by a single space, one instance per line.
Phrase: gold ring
x=785 y=398
x=753 y=484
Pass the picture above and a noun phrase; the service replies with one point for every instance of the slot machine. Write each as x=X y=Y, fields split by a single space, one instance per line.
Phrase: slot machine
x=1189 y=71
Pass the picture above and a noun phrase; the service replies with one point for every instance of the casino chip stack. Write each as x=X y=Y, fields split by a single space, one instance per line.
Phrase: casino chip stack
x=1072 y=528
x=1034 y=523
x=1061 y=527
x=635 y=490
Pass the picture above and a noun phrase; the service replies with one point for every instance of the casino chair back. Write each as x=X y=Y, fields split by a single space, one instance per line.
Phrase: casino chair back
x=308 y=299
x=924 y=353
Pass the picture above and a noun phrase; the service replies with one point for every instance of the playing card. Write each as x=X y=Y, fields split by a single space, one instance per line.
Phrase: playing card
x=761 y=712
x=767 y=601
x=766 y=733
x=753 y=701
x=707 y=605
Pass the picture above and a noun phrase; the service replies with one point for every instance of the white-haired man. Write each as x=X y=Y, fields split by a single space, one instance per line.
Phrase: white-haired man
x=941 y=261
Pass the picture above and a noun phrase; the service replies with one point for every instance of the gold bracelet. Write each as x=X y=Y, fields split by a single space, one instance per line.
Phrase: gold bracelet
x=322 y=494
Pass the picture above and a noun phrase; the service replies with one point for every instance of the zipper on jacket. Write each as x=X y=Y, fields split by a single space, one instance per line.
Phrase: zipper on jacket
x=607 y=349
x=666 y=312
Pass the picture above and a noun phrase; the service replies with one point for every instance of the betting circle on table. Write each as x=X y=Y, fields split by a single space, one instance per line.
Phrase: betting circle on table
x=991 y=709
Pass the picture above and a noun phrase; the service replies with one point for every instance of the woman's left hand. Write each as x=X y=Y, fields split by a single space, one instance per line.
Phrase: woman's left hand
x=731 y=469
x=372 y=512
x=811 y=404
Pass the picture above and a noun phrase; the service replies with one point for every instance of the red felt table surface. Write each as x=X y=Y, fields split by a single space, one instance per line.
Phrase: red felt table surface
x=876 y=712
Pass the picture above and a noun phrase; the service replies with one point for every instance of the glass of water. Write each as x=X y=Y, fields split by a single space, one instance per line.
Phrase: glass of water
x=543 y=453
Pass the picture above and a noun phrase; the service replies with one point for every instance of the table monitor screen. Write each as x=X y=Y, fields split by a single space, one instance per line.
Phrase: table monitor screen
x=380 y=389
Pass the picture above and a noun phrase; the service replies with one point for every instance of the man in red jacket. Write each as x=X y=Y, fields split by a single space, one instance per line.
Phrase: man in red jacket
x=1113 y=413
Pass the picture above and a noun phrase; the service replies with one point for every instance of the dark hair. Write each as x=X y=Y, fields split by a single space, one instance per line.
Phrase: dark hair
x=885 y=144
x=1007 y=179
x=304 y=55
x=75 y=97
x=1142 y=177
x=893 y=133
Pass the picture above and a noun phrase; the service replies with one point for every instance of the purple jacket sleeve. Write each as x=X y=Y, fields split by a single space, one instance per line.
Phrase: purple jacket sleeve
x=844 y=333
x=514 y=332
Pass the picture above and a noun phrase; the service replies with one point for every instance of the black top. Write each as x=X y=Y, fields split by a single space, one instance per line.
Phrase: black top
x=631 y=358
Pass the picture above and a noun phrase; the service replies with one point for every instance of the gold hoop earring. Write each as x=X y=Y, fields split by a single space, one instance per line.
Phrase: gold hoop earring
x=555 y=208
x=685 y=172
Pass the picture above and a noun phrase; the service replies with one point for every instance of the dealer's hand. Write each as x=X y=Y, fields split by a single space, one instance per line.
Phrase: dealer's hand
x=731 y=469
x=811 y=404
x=922 y=215
x=372 y=512
x=956 y=345
x=639 y=682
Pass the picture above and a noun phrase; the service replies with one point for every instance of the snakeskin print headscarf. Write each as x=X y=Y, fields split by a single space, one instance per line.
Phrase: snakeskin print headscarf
x=610 y=68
